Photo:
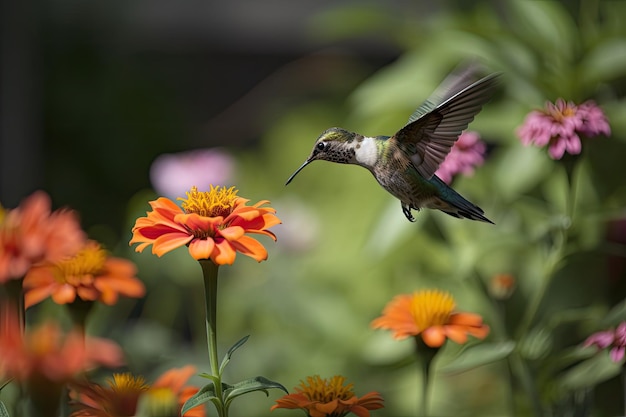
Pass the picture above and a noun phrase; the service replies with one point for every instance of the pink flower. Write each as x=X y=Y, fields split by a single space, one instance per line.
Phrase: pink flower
x=467 y=153
x=173 y=174
x=615 y=339
x=559 y=125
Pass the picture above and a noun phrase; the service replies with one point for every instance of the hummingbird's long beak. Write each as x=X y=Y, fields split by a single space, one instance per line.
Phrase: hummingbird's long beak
x=307 y=162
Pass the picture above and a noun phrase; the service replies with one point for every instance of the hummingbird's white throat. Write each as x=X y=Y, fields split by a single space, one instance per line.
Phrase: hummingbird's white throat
x=366 y=152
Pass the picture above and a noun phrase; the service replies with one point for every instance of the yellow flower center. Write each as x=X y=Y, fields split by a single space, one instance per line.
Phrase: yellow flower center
x=159 y=402
x=86 y=264
x=3 y=213
x=128 y=384
x=560 y=115
x=326 y=390
x=431 y=308
x=219 y=201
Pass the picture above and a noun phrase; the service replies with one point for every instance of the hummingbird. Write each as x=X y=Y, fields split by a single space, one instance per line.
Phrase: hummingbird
x=405 y=163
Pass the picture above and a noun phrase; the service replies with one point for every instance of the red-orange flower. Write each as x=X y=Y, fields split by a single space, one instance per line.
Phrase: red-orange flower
x=124 y=391
x=429 y=313
x=31 y=233
x=213 y=224
x=329 y=398
x=47 y=354
x=90 y=274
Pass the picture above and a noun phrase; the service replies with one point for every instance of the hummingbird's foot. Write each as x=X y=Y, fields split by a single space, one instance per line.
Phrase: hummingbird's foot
x=407 y=212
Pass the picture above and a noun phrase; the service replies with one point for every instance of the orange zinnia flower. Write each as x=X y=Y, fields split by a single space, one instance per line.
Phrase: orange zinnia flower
x=329 y=398
x=122 y=396
x=90 y=274
x=429 y=313
x=30 y=233
x=47 y=354
x=214 y=224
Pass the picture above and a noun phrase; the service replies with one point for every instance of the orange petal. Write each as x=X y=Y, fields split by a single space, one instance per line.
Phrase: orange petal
x=126 y=286
x=327 y=408
x=64 y=294
x=195 y=221
x=232 y=233
x=479 y=332
x=250 y=247
x=223 y=254
x=175 y=378
x=457 y=334
x=434 y=336
x=38 y=276
x=38 y=294
x=170 y=241
x=201 y=248
x=467 y=319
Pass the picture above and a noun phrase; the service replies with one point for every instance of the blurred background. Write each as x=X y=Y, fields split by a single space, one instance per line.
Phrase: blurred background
x=108 y=105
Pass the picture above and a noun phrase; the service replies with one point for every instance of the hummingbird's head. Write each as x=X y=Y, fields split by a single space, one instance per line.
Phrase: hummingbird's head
x=334 y=145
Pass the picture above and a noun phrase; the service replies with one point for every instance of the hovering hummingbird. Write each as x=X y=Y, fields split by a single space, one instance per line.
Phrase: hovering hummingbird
x=405 y=163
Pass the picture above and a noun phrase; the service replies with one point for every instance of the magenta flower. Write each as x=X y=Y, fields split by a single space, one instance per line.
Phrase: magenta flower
x=615 y=339
x=174 y=174
x=559 y=125
x=467 y=153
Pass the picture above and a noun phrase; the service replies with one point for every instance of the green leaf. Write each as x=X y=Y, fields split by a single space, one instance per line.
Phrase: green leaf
x=3 y=410
x=479 y=355
x=605 y=62
x=230 y=352
x=205 y=394
x=6 y=383
x=590 y=372
x=519 y=169
x=547 y=25
x=258 y=383
x=615 y=316
x=537 y=344
x=213 y=378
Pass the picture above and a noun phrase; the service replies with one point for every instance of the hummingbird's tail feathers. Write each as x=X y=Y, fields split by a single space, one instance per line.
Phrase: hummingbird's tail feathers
x=456 y=205
x=462 y=214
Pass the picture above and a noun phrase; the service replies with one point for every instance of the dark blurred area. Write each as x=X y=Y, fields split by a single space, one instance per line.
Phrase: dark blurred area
x=93 y=91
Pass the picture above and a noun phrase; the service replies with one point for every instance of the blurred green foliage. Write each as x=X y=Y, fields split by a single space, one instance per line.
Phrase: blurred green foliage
x=308 y=308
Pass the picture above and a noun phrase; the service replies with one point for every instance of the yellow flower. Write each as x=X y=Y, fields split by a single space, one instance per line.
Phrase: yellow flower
x=214 y=225
x=430 y=313
x=329 y=398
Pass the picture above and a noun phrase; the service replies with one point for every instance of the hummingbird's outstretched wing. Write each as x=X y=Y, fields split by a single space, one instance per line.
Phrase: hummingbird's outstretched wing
x=435 y=126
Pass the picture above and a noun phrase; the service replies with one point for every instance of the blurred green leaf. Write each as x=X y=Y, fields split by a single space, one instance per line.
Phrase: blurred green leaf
x=605 y=62
x=230 y=352
x=350 y=21
x=616 y=315
x=590 y=372
x=520 y=168
x=536 y=344
x=479 y=355
x=556 y=189
x=204 y=395
x=258 y=383
x=3 y=410
x=547 y=25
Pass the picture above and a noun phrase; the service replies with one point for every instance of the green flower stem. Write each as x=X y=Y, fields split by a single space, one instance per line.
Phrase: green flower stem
x=624 y=386
x=79 y=311
x=15 y=295
x=425 y=355
x=556 y=256
x=209 y=271
x=527 y=381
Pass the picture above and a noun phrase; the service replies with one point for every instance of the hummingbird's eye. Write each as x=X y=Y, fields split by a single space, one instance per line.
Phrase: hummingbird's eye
x=320 y=146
